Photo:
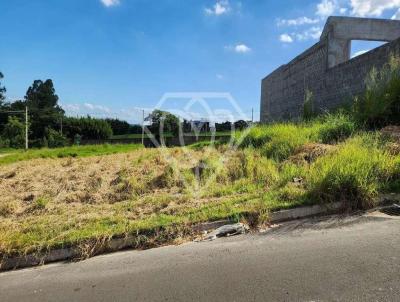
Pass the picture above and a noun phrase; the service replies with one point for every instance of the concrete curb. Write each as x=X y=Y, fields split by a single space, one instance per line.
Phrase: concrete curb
x=117 y=244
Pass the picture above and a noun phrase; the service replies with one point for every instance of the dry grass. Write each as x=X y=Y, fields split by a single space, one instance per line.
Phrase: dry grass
x=308 y=153
x=47 y=203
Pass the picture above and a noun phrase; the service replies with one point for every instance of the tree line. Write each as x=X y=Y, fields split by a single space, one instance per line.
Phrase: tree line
x=49 y=126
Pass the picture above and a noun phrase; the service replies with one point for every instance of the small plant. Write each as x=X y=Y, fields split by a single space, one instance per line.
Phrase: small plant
x=40 y=203
x=308 y=105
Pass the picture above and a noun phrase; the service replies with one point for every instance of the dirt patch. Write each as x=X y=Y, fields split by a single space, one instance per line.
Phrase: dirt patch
x=310 y=152
x=392 y=131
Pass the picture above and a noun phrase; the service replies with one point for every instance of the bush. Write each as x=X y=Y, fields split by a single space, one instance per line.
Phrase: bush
x=55 y=139
x=336 y=128
x=353 y=174
x=14 y=133
x=380 y=104
x=4 y=143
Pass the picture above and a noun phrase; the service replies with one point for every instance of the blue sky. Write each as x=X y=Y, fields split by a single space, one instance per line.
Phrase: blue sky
x=112 y=57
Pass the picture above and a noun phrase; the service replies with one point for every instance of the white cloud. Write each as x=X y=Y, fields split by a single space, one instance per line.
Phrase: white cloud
x=359 y=53
x=343 y=10
x=220 y=7
x=285 y=38
x=313 y=33
x=109 y=3
x=239 y=48
x=375 y=8
x=242 y=48
x=396 y=16
x=297 y=21
x=326 y=8
x=94 y=107
x=71 y=107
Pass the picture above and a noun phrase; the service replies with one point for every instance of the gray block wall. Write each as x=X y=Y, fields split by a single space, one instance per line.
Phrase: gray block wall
x=283 y=91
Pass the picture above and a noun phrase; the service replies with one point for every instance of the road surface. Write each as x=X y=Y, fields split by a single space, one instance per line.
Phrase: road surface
x=355 y=258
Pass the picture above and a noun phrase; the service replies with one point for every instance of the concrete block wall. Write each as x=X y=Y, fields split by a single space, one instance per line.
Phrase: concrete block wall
x=283 y=91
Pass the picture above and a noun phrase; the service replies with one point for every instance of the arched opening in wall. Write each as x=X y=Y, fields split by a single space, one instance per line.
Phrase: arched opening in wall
x=359 y=47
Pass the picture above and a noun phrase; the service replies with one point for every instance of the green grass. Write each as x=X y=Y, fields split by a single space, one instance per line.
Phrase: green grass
x=219 y=133
x=134 y=136
x=355 y=173
x=73 y=151
x=6 y=150
x=279 y=141
x=130 y=136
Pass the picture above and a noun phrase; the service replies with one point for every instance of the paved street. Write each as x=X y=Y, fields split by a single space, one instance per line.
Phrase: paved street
x=354 y=258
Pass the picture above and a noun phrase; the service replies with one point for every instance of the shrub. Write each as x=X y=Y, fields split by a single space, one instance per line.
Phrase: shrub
x=336 y=127
x=55 y=139
x=353 y=174
x=14 y=133
x=380 y=104
x=4 y=143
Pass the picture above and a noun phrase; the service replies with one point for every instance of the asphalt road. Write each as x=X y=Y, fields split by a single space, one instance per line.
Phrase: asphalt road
x=355 y=258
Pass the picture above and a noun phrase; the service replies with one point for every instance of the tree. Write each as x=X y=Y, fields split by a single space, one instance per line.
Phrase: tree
x=165 y=122
x=2 y=91
x=225 y=126
x=119 y=127
x=14 y=132
x=135 y=129
x=44 y=110
x=3 y=105
x=87 y=128
x=241 y=124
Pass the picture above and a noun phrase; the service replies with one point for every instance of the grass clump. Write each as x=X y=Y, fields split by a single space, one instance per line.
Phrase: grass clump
x=380 y=104
x=354 y=174
x=277 y=141
x=336 y=128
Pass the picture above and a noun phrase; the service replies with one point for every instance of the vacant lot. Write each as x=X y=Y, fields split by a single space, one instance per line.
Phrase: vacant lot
x=155 y=194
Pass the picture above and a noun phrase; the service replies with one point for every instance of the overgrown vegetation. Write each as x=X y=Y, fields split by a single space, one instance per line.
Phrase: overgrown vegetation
x=380 y=104
x=155 y=195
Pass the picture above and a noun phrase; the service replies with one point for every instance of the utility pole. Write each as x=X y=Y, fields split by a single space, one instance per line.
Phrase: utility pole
x=26 y=127
x=252 y=114
x=143 y=128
